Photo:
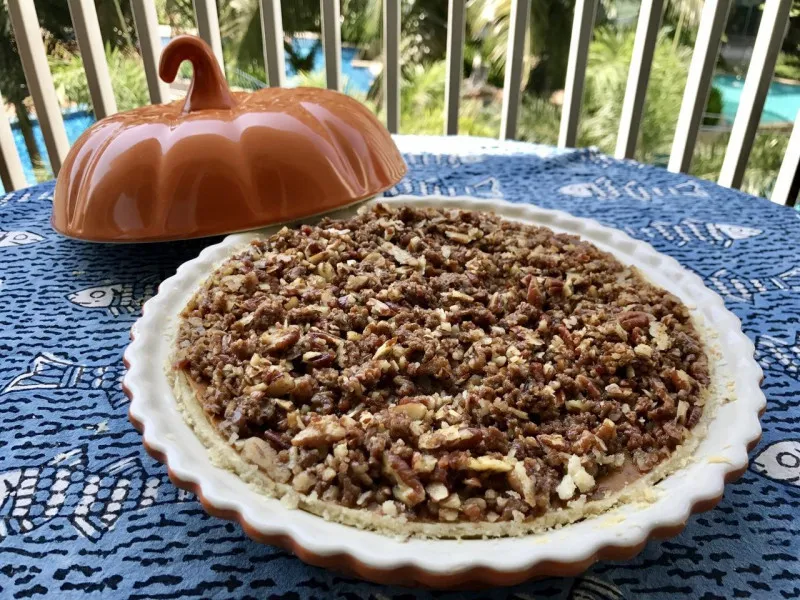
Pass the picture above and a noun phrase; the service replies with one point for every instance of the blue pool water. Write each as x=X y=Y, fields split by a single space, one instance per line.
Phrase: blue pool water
x=783 y=100
x=74 y=122
x=357 y=78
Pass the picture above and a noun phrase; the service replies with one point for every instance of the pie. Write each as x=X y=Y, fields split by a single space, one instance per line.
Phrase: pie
x=441 y=373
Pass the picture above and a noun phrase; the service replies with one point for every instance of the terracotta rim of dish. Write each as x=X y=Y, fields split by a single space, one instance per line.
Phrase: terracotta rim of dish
x=724 y=465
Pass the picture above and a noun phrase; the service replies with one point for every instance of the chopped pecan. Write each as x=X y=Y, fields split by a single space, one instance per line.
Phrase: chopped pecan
x=262 y=454
x=408 y=488
x=451 y=438
x=634 y=318
x=535 y=296
x=281 y=340
x=320 y=432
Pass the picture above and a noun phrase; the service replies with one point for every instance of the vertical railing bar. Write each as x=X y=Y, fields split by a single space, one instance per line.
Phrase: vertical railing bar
x=582 y=25
x=787 y=185
x=90 y=44
x=146 y=21
x=456 y=27
x=11 y=173
x=512 y=81
x=205 y=13
x=332 y=38
x=272 y=37
x=771 y=31
x=713 y=19
x=391 y=63
x=638 y=76
x=40 y=81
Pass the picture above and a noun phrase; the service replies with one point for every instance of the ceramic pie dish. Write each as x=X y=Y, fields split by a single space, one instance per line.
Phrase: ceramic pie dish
x=618 y=533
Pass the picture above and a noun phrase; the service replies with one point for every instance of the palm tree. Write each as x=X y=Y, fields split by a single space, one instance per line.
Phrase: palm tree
x=546 y=47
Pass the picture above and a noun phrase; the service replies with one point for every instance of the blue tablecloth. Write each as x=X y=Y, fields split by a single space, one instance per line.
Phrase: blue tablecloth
x=84 y=512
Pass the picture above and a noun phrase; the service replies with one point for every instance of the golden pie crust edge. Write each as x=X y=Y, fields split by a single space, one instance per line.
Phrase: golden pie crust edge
x=640 y=492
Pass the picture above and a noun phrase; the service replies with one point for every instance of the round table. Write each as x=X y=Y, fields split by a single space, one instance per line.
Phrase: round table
x=85 y=512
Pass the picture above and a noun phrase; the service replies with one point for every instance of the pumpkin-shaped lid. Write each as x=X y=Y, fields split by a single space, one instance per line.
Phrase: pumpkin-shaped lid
x=220 y=161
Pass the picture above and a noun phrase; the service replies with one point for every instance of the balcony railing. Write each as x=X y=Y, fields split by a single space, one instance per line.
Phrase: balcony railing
x=714 y=16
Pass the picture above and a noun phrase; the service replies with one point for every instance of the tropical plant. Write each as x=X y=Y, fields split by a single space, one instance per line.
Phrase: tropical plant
x=763 y=165
x=539 y=120
x=546 y=47
x=606 y=77
x=127 y=78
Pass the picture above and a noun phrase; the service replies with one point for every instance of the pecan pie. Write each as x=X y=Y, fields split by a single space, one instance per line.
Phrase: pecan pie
x=440 y=372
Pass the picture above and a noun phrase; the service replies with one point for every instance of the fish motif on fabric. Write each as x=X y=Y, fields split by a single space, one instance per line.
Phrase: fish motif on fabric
x=18 y=238
x=604 y=188
x=91 y=500
x=49 y=372
x=483 y=188
x=738 y=288
x=779 y=355
x=780 y=461
x=593 y=588
x=691 y=230
x=118 y=298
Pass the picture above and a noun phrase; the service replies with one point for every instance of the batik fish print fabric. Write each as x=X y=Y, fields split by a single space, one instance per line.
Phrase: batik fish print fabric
x=85 y=513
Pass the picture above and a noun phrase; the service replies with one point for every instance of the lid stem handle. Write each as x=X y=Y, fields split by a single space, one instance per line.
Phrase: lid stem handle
x=209 y=89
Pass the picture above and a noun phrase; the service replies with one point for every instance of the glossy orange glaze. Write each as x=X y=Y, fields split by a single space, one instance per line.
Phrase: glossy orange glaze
x=220 y=161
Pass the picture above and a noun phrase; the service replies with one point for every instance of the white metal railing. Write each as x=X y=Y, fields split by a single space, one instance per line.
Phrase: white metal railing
x=40 y=80
x=146 y=21
x=332 y=37
x=698 y=83
x=520 y=9
x=90 y=44
x=582 y=25
x=272 y=36
x=712 y=24
x=205 y=14
x=644 y=46
x=774 y=22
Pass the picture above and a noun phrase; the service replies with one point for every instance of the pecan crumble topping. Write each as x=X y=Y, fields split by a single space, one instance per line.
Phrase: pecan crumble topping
x=441 y=365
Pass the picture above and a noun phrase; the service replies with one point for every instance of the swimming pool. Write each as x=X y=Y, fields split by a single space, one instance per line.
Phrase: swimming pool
x=783 y=99
x=74 y=122
x=357 y=78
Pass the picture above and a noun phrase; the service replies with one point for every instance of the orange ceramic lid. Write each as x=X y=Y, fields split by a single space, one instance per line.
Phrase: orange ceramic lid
x=220 y=161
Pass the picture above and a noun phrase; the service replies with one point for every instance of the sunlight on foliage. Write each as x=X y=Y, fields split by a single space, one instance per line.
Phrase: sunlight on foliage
x=127 y=78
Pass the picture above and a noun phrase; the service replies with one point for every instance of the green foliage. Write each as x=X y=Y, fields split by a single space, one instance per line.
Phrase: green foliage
x=547 y=45
x=539 y=121
x=606 y=78
x=714 y=107
x=788 y=66
x=422 y=105
x=127 y=78
x=763 y=165
x=361 y=23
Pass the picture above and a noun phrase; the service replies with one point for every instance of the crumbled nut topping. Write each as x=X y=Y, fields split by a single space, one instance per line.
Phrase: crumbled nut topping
x=441 y=365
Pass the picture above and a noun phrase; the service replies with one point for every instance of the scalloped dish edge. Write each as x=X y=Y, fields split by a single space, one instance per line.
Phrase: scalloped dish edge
x=480 y=568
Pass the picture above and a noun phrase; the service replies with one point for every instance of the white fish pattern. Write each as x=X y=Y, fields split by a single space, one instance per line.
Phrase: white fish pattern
x=18 y=238
x=483 y=188
x=738 y=288
x=593 y=588
x=604 y=188
x=49 y=372
x=692 y=230
x=773 y=353
x=92 y=501
x=117 y=298
x=780 y=461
